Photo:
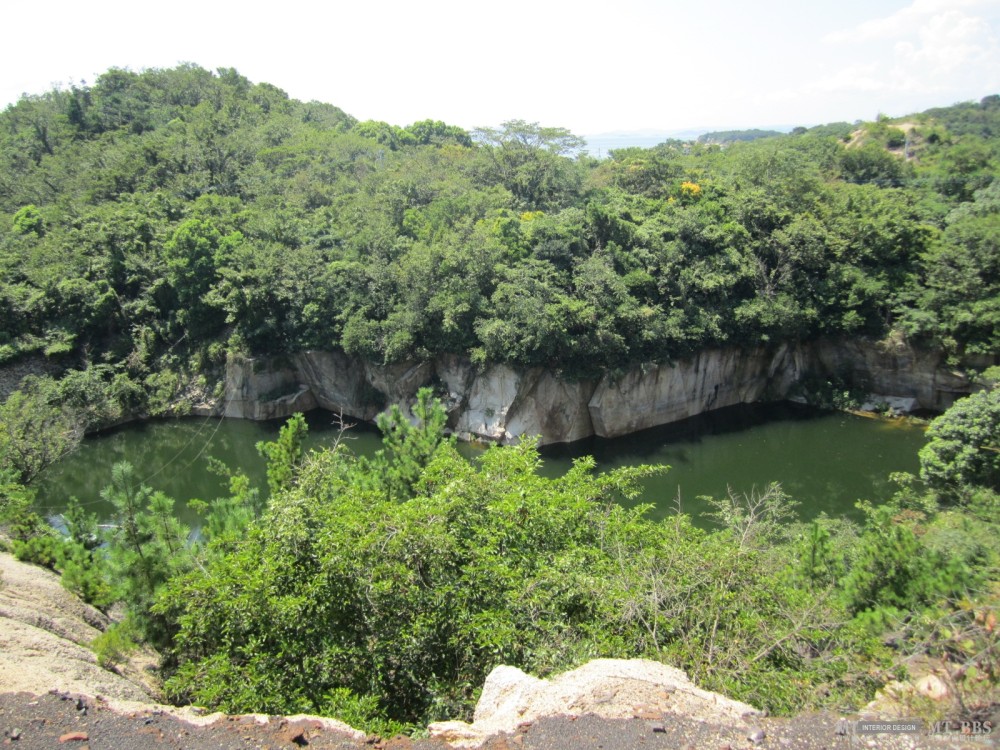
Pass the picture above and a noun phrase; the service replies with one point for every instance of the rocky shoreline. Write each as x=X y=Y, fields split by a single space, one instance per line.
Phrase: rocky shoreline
x=501 y=403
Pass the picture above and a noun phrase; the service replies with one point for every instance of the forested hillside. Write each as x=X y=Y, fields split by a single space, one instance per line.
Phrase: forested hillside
x=152 y=222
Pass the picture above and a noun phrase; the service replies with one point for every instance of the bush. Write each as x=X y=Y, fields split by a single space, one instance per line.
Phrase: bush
x=113 y=646
x=361 y=595
x=963 y=448
x=46 y=550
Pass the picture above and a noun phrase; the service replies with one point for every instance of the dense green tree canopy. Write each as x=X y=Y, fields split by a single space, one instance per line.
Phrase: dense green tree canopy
x=155 y=215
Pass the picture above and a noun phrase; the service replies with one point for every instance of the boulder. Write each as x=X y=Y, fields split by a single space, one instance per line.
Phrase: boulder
x=609 y=688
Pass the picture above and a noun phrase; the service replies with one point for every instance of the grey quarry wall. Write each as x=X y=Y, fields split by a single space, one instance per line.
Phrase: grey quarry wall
x=502 y=403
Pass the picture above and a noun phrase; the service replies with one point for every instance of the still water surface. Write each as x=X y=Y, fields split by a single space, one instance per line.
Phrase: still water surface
x=826 y=461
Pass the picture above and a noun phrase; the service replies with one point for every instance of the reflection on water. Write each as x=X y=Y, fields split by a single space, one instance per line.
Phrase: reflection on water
x=825 y=461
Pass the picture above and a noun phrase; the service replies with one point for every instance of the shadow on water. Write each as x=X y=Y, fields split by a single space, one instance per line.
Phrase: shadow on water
x=647 y=444
x=826 y=461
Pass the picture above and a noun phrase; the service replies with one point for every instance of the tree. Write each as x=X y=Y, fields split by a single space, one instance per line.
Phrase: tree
x=530 y=161
x=191 y=266
x=426 y=132
x=871 y=163
x=17 y=519
x=284 y=455
x=409 y=446
x=34 y=432
x=959 y=305
x=28 y=220
x=147 y=546
x=514 y=134
x=963 y=448
x=385 y=134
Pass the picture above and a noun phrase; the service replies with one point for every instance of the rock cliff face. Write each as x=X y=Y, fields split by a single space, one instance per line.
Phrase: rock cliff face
x=45 y=632
x=503 y=404
x=896 y=370
x=712 y=379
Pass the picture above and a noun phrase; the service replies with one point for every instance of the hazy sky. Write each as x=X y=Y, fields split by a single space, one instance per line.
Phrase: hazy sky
x=588 y=66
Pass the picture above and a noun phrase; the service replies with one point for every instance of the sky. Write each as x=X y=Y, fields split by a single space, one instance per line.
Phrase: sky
x=591 y=67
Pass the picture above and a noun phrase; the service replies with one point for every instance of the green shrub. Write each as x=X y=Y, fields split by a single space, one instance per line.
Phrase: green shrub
x=46 y=550
x=84 y=572
x=391 y=600
x=963 y=447
x=113 y=646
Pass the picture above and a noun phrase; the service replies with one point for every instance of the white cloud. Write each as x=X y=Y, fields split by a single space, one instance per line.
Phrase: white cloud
x=931 y=47
x=909 y=20
x=857 y=77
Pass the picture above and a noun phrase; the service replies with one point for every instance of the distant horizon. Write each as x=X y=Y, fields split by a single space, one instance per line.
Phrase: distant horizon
x=637 y=134
x=688 y=133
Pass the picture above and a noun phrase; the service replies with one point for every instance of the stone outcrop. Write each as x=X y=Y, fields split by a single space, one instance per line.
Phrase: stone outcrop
x=712 y=379
x=893 y=369
x=504 y=404
x=609 y=688
x=265 y=390
x=45 y=636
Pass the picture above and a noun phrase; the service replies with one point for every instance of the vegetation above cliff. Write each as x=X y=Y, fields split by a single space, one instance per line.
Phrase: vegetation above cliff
x=152 y=222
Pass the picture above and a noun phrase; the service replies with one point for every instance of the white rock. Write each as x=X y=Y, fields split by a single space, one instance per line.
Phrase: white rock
x=932 y=687
x=505 y=404
x=655 y=395
x=45 y=636
x=610 y=688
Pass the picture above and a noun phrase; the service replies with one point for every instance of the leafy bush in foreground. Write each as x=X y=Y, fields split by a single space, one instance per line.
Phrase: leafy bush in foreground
x=342 y=598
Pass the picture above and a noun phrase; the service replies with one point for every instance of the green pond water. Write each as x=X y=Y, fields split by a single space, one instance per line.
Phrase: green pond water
x=825 y=461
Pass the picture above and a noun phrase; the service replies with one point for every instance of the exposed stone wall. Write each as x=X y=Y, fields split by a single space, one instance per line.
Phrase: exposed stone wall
x=712 y=379
x=892 y=369
x=503 y=403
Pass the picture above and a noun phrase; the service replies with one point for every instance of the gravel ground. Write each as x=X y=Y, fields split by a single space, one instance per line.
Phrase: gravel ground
x=60 y=720
x=65 y=721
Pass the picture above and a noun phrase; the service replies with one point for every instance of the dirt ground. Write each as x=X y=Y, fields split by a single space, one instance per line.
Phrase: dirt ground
x=57 y=720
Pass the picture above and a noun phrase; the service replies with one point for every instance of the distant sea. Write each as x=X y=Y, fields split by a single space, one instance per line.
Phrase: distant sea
x=600 y=144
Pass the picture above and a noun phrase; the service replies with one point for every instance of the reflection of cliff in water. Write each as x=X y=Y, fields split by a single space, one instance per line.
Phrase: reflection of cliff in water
x=826 y=461
x=694 y=429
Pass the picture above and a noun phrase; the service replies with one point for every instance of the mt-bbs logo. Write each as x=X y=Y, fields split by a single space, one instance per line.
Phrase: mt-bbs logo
x=981 y=728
